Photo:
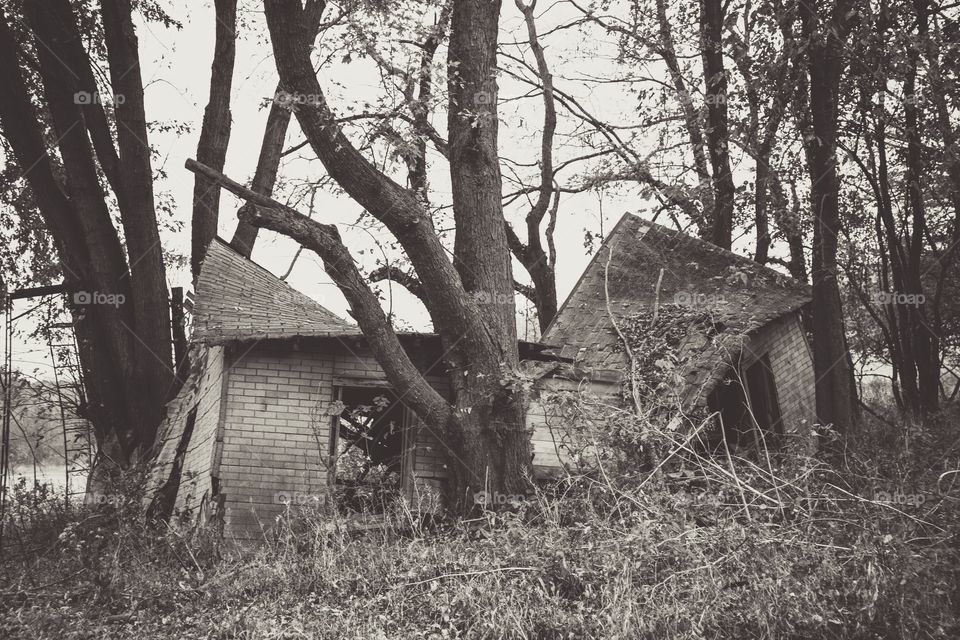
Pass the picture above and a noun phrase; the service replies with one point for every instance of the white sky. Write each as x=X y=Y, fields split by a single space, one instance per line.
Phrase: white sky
x=176 y=71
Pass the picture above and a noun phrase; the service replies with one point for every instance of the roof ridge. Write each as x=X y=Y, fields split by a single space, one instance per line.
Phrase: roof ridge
x=583 y=274
x=709 y=246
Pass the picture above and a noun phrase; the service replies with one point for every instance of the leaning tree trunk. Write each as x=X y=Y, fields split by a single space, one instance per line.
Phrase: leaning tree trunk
x=470 y=300
x=215 y=132
x=271 y=151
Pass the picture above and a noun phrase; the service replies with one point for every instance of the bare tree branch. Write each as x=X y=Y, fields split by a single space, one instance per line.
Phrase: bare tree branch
x=324 y=240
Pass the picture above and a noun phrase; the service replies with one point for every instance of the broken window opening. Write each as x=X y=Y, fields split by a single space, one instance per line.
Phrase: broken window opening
x=368 y=444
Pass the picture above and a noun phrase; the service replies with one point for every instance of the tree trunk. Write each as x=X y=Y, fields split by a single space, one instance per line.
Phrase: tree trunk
x=470 y=300
x=124 y=345
x=271 y=151
x=691 y=120
x=215 y=131
x=153 y=371
x=926 y=342
x=836 y=399
x=718 y=135
x=761 y=200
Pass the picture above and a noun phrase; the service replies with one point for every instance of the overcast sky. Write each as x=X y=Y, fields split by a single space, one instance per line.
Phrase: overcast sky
x=176 y=71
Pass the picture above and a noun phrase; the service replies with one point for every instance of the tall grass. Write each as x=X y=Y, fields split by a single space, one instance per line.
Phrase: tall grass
x=710 y=548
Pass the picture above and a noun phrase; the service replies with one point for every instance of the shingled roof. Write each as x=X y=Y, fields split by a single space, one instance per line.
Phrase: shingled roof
x=738 y=295
x=236 y=299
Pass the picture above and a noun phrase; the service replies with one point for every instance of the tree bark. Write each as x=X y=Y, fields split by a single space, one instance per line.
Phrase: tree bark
x=265 y=177
x=153 y=370
x=215 y=131
x=836 y=395
x=539 y=265
x=123 y=347
x=667 y=51
x=718 y=133
x=470 y=300
x=271 y=148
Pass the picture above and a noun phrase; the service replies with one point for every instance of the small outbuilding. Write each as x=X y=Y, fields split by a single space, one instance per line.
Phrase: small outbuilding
x=710 y=331
x=286 y=404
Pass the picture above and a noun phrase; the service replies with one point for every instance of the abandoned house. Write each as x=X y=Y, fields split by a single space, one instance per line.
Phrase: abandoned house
x=285 y=401
x=712 y=332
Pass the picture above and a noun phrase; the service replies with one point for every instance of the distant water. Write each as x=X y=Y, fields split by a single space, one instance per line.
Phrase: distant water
x=49 y=474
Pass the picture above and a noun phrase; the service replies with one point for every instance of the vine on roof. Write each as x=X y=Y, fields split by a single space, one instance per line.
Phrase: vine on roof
x=663 y=344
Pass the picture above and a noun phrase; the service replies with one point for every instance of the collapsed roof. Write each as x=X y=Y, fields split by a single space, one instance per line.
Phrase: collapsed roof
x=643 y=268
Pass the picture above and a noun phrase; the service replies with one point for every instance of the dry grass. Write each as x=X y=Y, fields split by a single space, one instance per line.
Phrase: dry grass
x=714 y=548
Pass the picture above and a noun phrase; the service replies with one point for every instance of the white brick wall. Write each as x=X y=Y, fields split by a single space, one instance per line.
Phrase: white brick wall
x=792 y=365
x=276 y=432
x=275 y=435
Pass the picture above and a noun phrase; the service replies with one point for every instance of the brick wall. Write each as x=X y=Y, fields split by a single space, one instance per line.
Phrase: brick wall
x=262 y=429
x=792 y=364
x=275 y=432
x=275 y=435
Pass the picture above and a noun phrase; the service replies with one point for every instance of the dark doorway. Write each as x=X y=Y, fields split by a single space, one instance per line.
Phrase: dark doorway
x=762 y=389
x=729 y=402
x=748 y=411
